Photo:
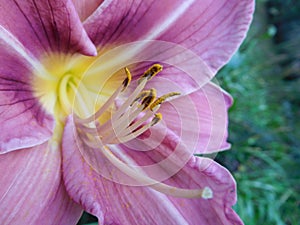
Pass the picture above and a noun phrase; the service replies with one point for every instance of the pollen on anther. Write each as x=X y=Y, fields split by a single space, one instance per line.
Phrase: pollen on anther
x=152 y=71
x=127 y=80
x=142 y=95
x=156 y=119
x=149 y=99
x=163 y=98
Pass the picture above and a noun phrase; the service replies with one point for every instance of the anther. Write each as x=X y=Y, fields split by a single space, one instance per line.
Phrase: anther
x=127 y=80
x=162 y=99
x=151 y=72
x=149 y=99
x=156 y=119
x=141 y=96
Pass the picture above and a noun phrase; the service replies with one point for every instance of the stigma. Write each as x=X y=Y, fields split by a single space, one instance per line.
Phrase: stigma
x=128 y=120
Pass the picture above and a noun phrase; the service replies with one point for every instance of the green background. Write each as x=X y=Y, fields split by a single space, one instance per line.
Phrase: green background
x=264 y=80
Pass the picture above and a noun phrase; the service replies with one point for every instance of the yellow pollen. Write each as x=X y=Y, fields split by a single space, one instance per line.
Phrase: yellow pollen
x=151 y=72
x=141 y=96
x=156 y=119
x=162 y=99
x=149 y=99
x=127 y=80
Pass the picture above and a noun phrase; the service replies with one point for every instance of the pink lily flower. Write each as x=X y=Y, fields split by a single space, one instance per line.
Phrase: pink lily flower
x=81 y=133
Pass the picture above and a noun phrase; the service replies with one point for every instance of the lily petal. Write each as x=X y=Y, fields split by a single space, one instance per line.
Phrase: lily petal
x=86 y=8
x=202 y=117
x=212 y=29
x=115 y=203
x=30 y=184
x=183 y=70
x=21 y=116
x=44 y=26
x=61 y=209
x=23 y=120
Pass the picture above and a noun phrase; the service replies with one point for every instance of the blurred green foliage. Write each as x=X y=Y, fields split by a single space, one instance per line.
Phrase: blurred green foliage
x=264 y=79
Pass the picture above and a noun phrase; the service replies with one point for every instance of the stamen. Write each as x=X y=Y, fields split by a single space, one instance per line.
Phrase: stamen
x=141 y=130
x=151 y=72
x=125 y=124
x=156 y=119
x=117 y=127
x=130 y=99
x=102 y=109
x=149 y=99
x=130 y=129
x=121 y=115
x=141 y=96
x=127 y=80
x=162 y=99
x=125 y=135
x=121 y=133
x=138 y=123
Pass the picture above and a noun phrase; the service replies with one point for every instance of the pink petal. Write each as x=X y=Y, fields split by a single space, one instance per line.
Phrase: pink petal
x=22 y=119
x=213 y=29
x=86 y=7
x=31 y=187
x=183 y=70
x=202 y=118
x=61 y=209
x=115 y=203
x=46 y=26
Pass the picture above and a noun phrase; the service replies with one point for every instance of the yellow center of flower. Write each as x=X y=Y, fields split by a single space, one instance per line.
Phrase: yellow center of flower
x=72 y=87
x=63 y=82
